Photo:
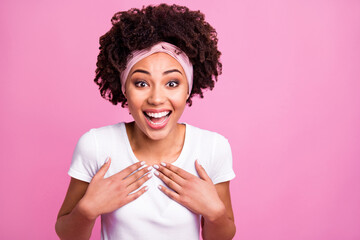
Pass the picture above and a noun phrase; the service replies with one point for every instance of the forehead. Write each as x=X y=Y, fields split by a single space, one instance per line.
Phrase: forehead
x=158 y=61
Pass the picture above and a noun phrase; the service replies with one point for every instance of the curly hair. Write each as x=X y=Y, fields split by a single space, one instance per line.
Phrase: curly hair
x=141 y=28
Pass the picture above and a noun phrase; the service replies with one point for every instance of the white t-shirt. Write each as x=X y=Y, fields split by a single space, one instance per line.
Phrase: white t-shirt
x=153 y=215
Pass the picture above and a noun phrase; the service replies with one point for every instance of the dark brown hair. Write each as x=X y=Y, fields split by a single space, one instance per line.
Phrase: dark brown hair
x=141 y=28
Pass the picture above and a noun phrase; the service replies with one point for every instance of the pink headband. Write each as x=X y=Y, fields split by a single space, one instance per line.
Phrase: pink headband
x=164 y=47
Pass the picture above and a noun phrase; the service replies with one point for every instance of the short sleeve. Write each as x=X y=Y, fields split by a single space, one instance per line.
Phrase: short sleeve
x=84 y=161
x=222 y=161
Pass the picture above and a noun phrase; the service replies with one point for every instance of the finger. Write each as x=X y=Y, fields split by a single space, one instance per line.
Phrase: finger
x=171 y=194
x=179 y=171
x=170 y=174
x=201 y=171
x=170 y=183
x=129 y=170
x=135 y=176
x=104 y=168
x=135 y=195
x=135 y=185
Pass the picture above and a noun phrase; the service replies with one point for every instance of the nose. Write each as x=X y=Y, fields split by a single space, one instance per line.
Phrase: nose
x=157 y=96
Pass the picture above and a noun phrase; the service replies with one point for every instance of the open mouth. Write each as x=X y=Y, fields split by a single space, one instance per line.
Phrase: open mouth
x=158 y=118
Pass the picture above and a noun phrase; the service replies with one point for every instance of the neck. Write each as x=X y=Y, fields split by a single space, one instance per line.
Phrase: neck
x=156 y=151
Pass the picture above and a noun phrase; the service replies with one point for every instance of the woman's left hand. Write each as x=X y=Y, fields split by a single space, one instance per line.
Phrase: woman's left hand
x=199 y=195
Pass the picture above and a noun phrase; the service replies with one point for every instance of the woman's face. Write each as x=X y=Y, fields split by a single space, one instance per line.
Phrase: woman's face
x=156 y=91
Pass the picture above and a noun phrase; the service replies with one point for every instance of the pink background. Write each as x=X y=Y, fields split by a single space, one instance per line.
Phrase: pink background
x=288 y=101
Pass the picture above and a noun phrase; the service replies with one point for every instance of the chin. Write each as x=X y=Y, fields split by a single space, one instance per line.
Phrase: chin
x=157 y=135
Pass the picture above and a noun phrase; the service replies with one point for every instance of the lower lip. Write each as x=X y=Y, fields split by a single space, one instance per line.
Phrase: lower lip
x=158 y=125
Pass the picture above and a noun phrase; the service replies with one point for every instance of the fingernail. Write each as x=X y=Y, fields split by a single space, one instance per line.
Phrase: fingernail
x=149 y=175
x=156 y=173
x=149 y=168
x=163 y=164
x=160 y=187
x=142 y=163
x=107 y=159
x=146 y=188
x=156 y=166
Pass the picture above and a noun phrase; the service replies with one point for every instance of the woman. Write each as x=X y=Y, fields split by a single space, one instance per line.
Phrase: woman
x=153 y=178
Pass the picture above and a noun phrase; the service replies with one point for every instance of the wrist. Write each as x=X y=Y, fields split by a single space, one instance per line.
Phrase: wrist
x=83 y=209
x=215 y=215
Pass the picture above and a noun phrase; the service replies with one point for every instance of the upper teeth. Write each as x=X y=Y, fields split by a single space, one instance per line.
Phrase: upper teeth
x=157 y=115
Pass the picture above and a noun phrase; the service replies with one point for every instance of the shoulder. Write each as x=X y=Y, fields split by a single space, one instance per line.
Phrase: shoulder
x=214 y=152
x=91 y=151
x=91 y=138
x=208 y=142
x=104 y=132
x=107 y=130
x=205 y=136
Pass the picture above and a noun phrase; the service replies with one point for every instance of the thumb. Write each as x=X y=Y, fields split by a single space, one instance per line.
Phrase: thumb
x=201 y=171
x=104 y=168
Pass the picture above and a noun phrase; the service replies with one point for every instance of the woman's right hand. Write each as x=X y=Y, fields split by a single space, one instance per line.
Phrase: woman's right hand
x=105 y=195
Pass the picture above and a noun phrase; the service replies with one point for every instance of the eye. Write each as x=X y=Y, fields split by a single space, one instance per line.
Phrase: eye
x=172 y=84
x=141 y=84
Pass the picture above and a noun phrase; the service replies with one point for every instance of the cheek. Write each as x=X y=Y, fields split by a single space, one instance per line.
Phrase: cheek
x=134 y=105
x=179 y=100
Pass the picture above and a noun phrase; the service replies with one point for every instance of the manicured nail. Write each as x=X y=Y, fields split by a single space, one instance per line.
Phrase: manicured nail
x=142 y=163
x=156 y=166
x=160 y=187
x=163 y=164
x=149 y=175
x=149 y=168
x=146 y=188
x=156 y=173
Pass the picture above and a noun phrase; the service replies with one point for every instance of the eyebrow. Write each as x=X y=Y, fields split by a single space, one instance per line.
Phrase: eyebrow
x=172 y=70
x=146 y=72
x=140 y=71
